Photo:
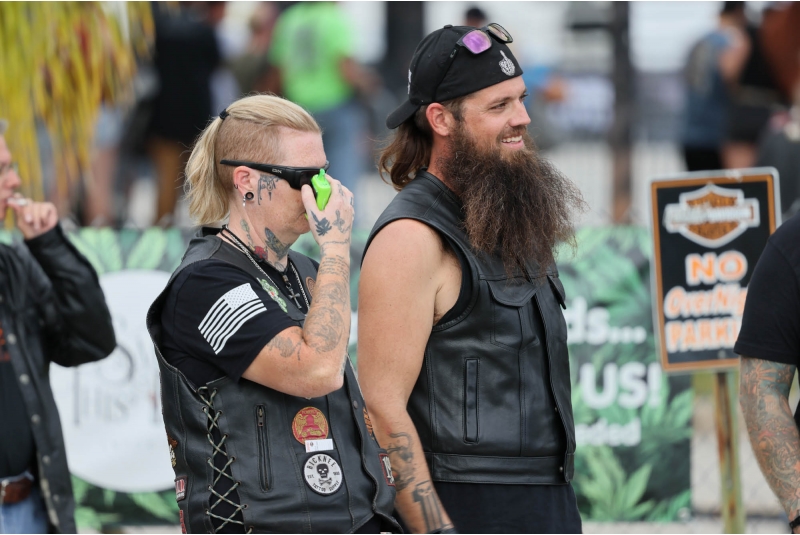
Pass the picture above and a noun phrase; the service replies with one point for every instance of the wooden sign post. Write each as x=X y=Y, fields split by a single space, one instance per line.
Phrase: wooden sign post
x=709 y=230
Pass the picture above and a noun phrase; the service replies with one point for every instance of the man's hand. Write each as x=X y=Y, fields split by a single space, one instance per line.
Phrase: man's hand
x=33 y=218
x=333 y=225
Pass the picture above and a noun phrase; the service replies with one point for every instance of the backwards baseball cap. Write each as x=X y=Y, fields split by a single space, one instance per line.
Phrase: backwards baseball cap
x=454 y=61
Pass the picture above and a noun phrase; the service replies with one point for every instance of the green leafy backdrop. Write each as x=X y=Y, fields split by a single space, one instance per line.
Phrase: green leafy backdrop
x=650 y=481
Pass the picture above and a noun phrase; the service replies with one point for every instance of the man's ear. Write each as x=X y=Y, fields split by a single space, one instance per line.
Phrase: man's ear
x=245 y=179
x=440 y=119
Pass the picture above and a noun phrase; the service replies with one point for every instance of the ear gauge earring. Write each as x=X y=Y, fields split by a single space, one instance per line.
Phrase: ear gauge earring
x=247 y=197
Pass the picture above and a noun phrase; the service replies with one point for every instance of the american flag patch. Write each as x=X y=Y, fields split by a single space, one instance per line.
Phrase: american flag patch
x=229 y=313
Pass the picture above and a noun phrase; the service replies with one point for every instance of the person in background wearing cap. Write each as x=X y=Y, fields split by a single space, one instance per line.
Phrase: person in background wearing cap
x=265 y=422
x=462 y=342
x=52 y=309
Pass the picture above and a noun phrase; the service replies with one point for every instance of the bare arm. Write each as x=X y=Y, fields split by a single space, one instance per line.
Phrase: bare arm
x=733 y=58
x=764 y=398
x=310 y=362
x=397 y=292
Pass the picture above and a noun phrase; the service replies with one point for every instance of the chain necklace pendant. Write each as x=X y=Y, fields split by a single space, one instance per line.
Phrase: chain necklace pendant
x=292 y=294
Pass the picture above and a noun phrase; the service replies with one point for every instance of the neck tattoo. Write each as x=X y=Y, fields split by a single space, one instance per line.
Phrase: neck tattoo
x=239 y=244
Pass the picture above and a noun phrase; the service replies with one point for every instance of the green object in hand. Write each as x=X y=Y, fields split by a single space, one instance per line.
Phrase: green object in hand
x=322 y=189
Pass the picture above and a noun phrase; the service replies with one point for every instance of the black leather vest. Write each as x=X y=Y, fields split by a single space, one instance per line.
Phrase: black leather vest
x=492 y=402
x=265 y=458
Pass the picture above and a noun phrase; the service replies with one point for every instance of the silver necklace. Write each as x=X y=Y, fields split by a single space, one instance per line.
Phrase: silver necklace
x=243 y=248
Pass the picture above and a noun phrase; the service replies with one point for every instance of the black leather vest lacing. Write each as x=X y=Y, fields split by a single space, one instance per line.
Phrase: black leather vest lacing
x=265 y=460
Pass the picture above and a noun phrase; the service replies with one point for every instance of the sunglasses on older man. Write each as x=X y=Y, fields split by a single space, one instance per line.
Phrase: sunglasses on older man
x=295 y=176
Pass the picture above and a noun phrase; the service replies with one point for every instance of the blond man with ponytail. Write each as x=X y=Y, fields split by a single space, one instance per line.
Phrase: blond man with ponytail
x=265 y=421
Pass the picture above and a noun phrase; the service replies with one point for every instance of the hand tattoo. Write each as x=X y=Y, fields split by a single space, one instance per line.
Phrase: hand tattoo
x=322 y=226
x=339 y=223
x=267 y=182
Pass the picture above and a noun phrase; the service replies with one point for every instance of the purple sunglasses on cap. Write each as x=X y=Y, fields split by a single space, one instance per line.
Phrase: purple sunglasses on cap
x=476 y=41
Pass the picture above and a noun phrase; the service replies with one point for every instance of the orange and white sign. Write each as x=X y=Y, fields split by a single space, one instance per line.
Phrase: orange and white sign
x=708 y=232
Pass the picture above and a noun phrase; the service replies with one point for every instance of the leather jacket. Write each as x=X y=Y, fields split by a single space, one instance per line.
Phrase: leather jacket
x=52 y=309
x=492 y=402
x=275 y=482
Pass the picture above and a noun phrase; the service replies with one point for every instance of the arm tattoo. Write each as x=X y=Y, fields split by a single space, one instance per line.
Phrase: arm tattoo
x=275 y=245
x=266 y=182
x=285 y=346
x=323 y=328
x=770 y=424
x=425 y=495
x=402 y=456
x=322 y=226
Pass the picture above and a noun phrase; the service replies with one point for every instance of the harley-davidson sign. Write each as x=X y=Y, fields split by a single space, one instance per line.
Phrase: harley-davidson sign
x=708 y=232
x=712 y=216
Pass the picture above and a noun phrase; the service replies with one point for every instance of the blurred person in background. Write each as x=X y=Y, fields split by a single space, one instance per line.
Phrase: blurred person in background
x=251 y=329
x=769 y=344
x=781 y=145
x=52 y=310
x=475 y=17
x=186 y=55
x=714 y=65
x=462 y=343
x=252 y=68
x=224 y=85
x=754 y=98
x=312 y=52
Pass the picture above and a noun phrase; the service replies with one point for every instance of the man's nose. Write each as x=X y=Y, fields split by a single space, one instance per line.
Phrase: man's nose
x=520 y=117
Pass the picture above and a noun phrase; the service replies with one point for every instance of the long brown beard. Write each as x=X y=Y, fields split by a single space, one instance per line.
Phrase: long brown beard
x=517 y=206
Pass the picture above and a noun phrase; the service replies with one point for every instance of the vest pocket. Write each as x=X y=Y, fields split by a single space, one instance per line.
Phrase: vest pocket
x=471 y=400
x=261 y=434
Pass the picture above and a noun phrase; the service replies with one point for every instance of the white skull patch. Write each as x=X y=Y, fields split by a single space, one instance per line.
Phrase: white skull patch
x=323 y=474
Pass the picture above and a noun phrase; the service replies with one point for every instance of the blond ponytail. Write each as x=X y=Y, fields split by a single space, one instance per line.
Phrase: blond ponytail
x=249 y=132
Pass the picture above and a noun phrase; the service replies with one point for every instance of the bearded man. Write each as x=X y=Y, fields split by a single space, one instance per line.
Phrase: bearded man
x=462 y=343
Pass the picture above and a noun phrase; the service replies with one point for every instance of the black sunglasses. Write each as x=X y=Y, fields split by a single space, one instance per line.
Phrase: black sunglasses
x=295 y=176
x=477 y=41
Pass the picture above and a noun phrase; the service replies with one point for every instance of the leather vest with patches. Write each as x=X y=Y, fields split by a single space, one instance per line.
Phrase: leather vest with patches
x=492 y=402
x=269 y=463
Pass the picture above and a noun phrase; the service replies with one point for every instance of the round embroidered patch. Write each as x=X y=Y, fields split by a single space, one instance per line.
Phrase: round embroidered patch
x=323 y=474
x=309 y=424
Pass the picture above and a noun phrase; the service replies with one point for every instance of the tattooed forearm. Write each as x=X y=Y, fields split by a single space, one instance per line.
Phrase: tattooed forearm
x=432 y=511
x=278 y=247
x=285 y=346
x=770 y=424
x=402 y=456
x=324 y=328
x=266 y=182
